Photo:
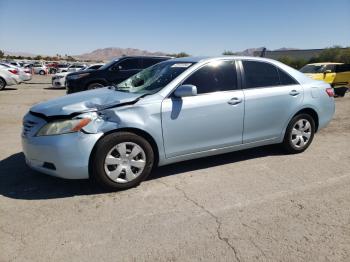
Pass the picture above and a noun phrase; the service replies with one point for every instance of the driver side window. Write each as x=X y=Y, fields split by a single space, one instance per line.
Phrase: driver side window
x=213 y=77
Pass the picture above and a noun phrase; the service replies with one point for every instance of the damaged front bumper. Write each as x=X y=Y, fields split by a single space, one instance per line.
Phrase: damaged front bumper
x=65 y=155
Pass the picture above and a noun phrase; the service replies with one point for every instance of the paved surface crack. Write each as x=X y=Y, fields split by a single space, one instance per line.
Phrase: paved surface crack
x=217 y=220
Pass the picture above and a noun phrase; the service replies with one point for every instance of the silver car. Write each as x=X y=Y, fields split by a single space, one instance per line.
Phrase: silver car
x=176 y=110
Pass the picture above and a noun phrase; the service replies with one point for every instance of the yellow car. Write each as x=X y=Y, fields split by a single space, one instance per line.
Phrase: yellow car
x=336 y=74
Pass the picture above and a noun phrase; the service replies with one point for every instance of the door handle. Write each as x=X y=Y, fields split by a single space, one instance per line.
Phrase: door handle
x=235 y=101
x=294 y=93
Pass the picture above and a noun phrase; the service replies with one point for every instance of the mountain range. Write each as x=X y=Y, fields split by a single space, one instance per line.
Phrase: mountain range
x=105 y=54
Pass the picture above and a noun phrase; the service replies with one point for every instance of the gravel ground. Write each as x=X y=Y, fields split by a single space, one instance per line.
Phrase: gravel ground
x=254 y=205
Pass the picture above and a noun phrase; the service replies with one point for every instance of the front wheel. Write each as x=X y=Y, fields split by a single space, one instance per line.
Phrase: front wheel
x=299 y=134
x=2 y=84
x=94 y=86
x=42 y=72
x=121 y=160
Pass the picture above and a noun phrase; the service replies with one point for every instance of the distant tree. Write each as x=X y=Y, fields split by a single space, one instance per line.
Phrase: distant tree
x=38 y=57
x=330 y=54
x=228 y=52
x=344 y=56
x=2 y=54
x=295 y=63
x=71 y=59
x=181 y=54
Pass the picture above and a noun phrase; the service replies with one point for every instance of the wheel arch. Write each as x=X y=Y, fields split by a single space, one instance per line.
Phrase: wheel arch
x=99 y=81
x=136 y=131
x=310 y=111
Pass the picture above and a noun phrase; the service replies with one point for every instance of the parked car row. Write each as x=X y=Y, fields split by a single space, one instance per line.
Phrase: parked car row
x=112 y=73
x=59 y=79
x=13 y=75
x=336 y=74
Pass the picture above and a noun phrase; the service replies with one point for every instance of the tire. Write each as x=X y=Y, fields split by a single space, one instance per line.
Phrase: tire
x=340 y=91
x=2 y=83
x=119 y=171
x=299 y=134
x=42 y=72
x=94 y=86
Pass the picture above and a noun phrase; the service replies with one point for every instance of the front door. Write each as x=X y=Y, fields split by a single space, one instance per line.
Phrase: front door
x=210 y=120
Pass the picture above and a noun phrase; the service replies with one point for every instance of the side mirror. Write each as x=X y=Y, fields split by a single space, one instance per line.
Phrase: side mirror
x=185 y=90
x=327 y=71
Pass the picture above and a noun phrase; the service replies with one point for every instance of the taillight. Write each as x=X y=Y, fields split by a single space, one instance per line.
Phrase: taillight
x=330 y=92
x=13 y=71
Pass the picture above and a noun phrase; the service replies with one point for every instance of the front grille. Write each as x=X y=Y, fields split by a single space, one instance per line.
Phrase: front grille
x=27 y=126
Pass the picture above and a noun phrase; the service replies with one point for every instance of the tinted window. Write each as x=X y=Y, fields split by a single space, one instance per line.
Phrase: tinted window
x=342 y=68
x=286 y=79
x=129 y=64
x=216 y=76
x=260 y=74
x=95 y=67
x=330 y=68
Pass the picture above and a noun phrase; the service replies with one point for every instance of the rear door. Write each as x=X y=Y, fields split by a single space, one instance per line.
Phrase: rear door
x=211 y=119
x=271 y=95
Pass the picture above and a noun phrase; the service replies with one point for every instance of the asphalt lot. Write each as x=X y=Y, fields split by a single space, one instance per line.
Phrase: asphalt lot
x=255 y=205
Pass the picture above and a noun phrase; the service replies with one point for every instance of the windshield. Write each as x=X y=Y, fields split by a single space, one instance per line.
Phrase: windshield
x=154 y=78
x=312 y=69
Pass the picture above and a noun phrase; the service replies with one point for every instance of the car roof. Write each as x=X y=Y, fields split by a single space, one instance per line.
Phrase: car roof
x=326 y=63
x=197 y=59
x=141 y=56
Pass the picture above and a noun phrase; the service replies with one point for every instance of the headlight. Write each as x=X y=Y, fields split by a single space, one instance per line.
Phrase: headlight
x=73 y=77
x=63 y=127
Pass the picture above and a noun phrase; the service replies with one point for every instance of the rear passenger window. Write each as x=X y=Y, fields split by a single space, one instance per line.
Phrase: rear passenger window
x=286 y=79
x=129 y=64
x=260 y=74
x=216 y=76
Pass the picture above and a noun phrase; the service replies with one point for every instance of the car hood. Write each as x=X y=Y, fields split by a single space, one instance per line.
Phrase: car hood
x=61 y=74
x=85 y=101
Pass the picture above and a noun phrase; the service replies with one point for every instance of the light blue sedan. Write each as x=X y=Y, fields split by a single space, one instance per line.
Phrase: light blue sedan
x=176 y=110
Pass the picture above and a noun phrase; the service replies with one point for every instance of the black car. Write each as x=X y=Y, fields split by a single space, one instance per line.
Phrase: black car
x=111 y=73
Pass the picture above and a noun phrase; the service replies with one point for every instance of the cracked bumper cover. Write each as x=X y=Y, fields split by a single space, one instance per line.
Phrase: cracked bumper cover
x=69 y=153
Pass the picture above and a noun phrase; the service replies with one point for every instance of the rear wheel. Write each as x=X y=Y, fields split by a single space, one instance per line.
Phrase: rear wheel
x=94 y=86
x=299 y=134
x=122 y=160
x=2 y=83
x=42 y=72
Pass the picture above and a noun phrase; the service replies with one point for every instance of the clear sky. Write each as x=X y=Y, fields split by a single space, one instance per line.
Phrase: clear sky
x=198 y=27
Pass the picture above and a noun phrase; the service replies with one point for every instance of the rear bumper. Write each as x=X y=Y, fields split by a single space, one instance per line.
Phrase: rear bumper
x=65 y=156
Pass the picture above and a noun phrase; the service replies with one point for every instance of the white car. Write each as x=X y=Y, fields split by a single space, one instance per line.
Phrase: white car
x=76 y=67
x=61 y=68
x=24 y=73
x=9 y=76
x=59 y=79
x=40 y=69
